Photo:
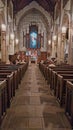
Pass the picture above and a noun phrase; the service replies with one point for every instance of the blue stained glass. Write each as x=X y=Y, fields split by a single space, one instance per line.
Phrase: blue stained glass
x=33 y=40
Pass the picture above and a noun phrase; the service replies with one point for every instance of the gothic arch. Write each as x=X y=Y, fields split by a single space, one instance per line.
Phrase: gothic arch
x=31 y=6
x=44 y=20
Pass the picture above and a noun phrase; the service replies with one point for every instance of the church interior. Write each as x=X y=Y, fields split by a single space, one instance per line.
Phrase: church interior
x=36 y=61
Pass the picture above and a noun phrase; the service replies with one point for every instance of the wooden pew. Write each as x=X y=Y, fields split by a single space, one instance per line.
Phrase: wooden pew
x=57 y=68
x=69 y=101
x=15 y=83
x=61 y=87
x=3 y=99
x=13 y=68
x=10 y=92
x=23 y=68
x=54 y=78
x=20 y=68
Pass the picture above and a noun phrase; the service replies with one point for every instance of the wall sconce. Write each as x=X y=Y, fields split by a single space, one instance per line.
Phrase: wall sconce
x=63 y=30
x=63 y=33
x=3 y=28
x=49 y=42
x=54 y=38
x=12 y=36
x=16 y=41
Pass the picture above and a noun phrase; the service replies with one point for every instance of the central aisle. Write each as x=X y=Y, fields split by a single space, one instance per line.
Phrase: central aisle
x=34 y=107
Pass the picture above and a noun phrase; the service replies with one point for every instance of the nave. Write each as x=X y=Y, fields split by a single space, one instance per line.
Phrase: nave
x=34 y=107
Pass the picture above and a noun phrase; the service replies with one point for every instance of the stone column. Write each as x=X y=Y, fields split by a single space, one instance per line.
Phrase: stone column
x=70 y=57
x=11 y=45
x=53 y=49
x=59 y=48
x=62 y=46
x=3 y=46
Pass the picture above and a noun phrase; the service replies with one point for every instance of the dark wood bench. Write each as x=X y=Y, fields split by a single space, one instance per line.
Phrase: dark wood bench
x=13 y=68
x=69 y=101
x=14 y=77
x=10 y=86
x=20 y=68
x=51 y=69
x=61 y=87
x=54 y=78
x=3 y=99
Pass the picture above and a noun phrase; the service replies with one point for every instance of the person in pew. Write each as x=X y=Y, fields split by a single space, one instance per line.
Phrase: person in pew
x=42 y=61
x=19 y=62
x=13 y=65
x=51 y=65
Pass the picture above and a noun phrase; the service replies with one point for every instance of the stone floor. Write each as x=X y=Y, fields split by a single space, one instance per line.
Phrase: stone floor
x=34 y=107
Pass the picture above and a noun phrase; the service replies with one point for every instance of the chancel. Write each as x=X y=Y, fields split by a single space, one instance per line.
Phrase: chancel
x=36 y=64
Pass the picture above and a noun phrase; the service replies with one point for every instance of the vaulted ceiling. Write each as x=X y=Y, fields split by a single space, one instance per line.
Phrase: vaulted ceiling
x=48 y=5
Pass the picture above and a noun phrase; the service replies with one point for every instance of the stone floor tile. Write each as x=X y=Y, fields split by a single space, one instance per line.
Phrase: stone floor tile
x=31 y=110
x=18 y=122
x=34 y=100
x=35 y=123
x=22 y=100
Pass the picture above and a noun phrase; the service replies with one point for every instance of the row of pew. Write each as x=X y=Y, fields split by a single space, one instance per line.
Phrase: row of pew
x=60 y=80
x=10 y=78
